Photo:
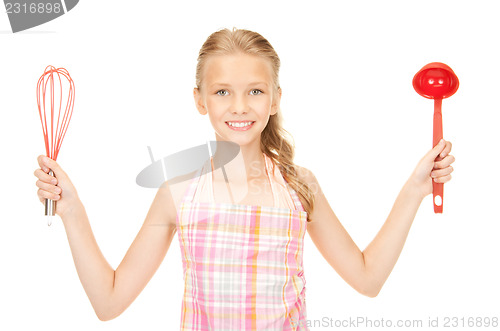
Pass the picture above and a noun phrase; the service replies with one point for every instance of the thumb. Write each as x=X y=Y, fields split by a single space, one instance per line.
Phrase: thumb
x=435 y=151
x=52 y=165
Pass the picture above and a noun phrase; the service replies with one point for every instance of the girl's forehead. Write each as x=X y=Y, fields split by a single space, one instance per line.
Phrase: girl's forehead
x=237 y=67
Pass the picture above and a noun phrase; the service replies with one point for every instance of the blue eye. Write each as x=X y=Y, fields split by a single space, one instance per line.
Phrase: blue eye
x=222 y=92
x=256 y=92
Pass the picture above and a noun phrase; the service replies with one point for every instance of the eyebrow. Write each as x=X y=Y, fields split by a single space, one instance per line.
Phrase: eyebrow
x=253 y=83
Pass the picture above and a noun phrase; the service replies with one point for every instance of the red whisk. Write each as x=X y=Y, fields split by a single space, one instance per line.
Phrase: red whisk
x=50 y=94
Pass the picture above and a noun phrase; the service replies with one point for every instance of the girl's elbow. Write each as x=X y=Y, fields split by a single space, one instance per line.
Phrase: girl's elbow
x=106 y=316
x=369 y=289
x=368 y=292
x=103 y=316
x=371 y=293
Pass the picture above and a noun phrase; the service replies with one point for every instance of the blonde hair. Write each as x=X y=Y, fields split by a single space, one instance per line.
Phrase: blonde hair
x=274 y=142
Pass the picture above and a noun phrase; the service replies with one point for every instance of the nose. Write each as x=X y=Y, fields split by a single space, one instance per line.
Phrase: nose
x=239 y=105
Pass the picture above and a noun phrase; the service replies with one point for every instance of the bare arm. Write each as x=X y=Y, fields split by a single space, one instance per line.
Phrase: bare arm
x=110 y=292
x=367 y=271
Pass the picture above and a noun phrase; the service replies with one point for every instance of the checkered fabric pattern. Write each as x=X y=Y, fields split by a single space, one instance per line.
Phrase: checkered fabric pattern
x=242 y=264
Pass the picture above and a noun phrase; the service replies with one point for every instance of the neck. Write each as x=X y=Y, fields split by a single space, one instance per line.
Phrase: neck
x=248 y=164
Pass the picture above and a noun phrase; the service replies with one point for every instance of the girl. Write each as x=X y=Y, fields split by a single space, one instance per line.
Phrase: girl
x=242 y=260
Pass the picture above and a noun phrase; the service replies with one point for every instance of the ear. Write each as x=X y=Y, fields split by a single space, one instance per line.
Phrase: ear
x=199 y=102
x=276 y=102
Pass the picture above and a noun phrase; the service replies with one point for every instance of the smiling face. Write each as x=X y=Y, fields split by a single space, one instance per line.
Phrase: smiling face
x=238 y=95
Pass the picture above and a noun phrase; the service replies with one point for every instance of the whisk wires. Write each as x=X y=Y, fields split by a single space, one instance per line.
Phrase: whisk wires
x=48 y=84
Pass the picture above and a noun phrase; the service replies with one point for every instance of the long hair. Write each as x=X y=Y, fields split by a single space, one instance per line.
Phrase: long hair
x=275 y=141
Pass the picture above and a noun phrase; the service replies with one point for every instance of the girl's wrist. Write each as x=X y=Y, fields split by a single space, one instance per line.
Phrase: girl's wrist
x=72 y=211
x=414 y=189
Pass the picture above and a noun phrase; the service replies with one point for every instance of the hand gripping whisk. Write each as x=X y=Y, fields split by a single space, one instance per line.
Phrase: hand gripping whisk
x=55 y=95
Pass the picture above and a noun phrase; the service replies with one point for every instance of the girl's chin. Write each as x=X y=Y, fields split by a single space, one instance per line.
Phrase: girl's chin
x=241 y=141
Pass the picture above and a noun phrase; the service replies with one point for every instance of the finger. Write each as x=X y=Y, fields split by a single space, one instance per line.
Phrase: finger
x=44 y=177
x=443 y=179
x=41 y=163
x=47 y=195
x=47 y=162
x=48 y=187
x=441 y=172
x=449 y=159
x=446 y=150
x=434 y=152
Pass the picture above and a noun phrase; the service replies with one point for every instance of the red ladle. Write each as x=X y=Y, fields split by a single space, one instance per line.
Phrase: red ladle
x=436 y=81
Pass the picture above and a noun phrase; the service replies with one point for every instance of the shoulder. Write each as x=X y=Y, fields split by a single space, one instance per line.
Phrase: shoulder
x=179 y=186
x=169 y=197
x=306 y=176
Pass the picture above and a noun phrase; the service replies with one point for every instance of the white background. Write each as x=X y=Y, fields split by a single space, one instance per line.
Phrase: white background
x=348 y=101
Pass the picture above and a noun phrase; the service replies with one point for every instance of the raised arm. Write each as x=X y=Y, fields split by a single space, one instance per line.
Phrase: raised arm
x=366 y=271
x=110 y=292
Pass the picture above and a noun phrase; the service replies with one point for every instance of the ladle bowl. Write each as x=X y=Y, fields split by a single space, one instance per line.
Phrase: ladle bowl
x=436 y=81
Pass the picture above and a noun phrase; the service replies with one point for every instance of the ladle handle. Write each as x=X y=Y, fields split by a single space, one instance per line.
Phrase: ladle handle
x=437 y=188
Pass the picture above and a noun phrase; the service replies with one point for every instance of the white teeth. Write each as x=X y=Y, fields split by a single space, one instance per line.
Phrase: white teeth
x=239 y=124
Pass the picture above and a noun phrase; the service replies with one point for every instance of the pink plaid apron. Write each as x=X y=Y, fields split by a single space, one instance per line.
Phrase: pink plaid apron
x=242 y=264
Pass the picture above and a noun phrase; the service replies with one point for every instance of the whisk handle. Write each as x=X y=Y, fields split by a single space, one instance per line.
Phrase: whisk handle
x=50 y=205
